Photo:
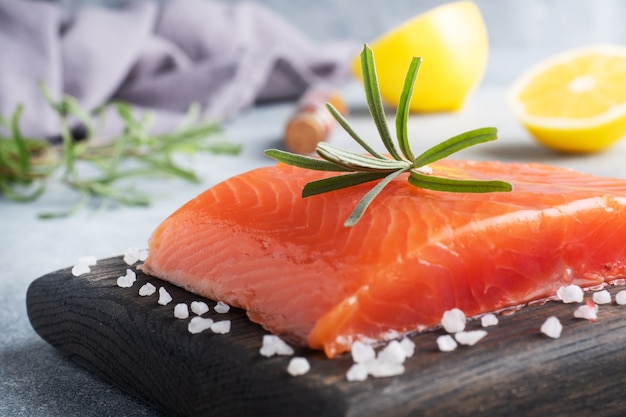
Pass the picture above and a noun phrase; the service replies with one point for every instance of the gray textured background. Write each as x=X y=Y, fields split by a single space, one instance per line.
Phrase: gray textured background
x=520 y=31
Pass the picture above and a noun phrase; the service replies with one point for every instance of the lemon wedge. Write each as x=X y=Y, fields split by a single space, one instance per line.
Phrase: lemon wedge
x=451 y=40
x=574 y=101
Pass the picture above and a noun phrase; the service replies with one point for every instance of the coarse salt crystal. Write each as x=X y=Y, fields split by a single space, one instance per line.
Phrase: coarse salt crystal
x=221 y=327
x=298 y=366
x=88 y=260
x=446 y=343
x=274 y=345
x=382 y=369
x=181 y=311
x=199 y=307
x=552 y=327
x=408 y=346
x=588 y=311
x=620 y=298
x=80 y=269
x=131 y=256
x=488 y=320
x=453 y=321
x=570 y=294
x=164 y=297
x=392 y=353
x=362 y=352
x=221 y=307
x=127 y=280
x=357 y=372
x=470 y=338
x=147 y=289
x=199 y=324
x=601 y=297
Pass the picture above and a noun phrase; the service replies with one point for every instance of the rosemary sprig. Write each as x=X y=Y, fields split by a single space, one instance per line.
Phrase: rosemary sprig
x=373 y=166
x=100 y=171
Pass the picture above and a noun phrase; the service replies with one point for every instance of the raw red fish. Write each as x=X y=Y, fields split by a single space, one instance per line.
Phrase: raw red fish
x=253 y=242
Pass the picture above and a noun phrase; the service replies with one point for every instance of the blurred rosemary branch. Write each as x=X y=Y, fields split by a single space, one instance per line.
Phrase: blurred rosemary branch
x=29 y=165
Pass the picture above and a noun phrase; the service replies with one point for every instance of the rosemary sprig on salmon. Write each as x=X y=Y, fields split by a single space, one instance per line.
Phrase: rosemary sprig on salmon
x=362 y=168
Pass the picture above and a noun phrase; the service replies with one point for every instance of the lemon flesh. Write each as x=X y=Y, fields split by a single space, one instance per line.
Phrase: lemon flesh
x=576 y=100
x=451 y=40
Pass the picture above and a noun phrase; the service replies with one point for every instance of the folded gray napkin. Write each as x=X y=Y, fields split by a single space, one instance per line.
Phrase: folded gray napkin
x=224 y=56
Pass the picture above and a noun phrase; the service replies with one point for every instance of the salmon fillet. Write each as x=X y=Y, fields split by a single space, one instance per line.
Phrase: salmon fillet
x=253 y=242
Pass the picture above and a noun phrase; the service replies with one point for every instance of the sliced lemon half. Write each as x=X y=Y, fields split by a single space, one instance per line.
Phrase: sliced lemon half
x=452 y=41
x=576 y=100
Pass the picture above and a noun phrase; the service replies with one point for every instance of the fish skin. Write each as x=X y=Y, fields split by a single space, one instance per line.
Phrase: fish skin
x=254 y=243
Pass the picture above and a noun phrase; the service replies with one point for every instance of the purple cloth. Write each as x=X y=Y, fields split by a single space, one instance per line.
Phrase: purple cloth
x=223 y=56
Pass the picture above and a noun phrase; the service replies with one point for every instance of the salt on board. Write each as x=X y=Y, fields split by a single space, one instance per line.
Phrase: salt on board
x=446 y=343
x=453 y=320
x=199 y=307
x=147 y=289
x=274 y=345
x=164 y=297
x=552 y=327
x=221 y=307
x=469 y=338
x=570 y=294
x=127 y=280
x=601 y=297
x=199 y=324
x=181 y=311
x=298 y=366
x=221 y=327
x=620 y=298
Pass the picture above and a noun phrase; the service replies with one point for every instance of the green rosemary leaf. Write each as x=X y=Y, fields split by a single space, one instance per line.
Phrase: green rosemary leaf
x=358 y=162
x=20 y=143
x=302 y=161
x=367 y=199
x=402 y=114
x=374 y=101
x=455 y=144
x=338 y=182
x=457 y=186
x=346 y=126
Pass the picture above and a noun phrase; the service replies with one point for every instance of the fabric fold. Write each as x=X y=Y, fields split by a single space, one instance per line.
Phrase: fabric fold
x=224 y=56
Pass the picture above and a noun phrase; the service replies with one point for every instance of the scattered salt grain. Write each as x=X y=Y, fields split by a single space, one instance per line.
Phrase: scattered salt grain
x=379 y=368
x=601 y=297
x=147 y=289
x=181 y=311
x=298 y=366
x=453 y=321
x=588 y=311
x=408 y=346
x=357 y=372
x=570 y=294
x=134 y=255
x=362 y=352
x=392 y=353
x=199 y=324
x=164 y=297
x=274 y=345
x=552 y=327
x=221 y=307
x=221 y=327
x=489 y=320
x=127 y=280
x=470 y=338
x=620 y=298
x=446 y=343
x=80 y=269
x=199 y=307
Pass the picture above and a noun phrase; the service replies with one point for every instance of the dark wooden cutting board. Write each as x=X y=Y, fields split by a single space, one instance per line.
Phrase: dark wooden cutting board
x=141 y=347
